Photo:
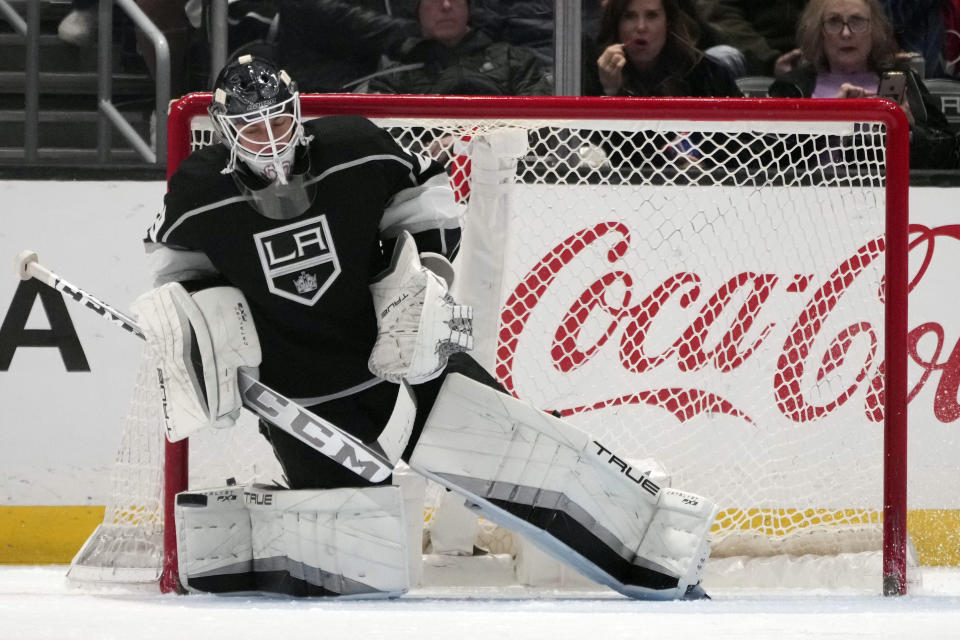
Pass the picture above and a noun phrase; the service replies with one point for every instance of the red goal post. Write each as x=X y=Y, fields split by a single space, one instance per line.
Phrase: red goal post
x=888 y=182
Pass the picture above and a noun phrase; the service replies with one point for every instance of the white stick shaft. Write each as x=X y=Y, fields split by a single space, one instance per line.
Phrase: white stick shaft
x=36 y=270
x=372 y=464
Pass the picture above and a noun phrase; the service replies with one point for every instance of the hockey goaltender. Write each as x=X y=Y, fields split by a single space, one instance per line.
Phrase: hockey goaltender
x=264 y=253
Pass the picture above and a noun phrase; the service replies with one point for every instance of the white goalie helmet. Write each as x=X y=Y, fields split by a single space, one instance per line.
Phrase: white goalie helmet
x=256 y=112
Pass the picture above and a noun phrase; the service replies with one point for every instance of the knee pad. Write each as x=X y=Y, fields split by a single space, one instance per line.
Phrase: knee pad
x=333 y=542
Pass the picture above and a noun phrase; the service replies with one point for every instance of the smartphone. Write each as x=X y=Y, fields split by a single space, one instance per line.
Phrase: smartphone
x=893 y=86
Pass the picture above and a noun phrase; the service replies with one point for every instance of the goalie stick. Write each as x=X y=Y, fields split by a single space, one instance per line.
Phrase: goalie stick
x=374 y=462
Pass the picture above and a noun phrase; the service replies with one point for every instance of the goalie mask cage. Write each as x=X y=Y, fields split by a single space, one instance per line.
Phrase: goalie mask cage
x=718 y=284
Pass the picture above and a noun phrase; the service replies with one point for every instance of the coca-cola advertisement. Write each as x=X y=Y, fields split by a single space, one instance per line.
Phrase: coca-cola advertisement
x=735 y=334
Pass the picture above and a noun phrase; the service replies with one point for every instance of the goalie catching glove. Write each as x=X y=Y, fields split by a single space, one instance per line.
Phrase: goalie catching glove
x=418 y=324
x=198 y=340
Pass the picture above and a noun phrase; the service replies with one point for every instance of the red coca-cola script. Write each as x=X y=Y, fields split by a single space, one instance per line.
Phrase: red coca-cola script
x=632 y=319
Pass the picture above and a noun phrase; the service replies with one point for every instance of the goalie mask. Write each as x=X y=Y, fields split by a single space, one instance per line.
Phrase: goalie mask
x=256 y=112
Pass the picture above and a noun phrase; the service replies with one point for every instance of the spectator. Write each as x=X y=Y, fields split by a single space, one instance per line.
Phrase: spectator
x=330 y=44
x=648 y=50
x=451 y=58
x=705 y=37
x=762 y=30
x=845 y=45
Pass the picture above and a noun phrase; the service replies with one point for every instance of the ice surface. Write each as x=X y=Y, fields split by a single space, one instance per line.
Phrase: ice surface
x=38 y=603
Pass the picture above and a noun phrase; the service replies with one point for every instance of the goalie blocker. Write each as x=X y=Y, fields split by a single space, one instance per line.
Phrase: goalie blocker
x=200 y=340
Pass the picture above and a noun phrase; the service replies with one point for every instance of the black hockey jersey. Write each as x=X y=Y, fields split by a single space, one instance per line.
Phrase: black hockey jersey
x=306 y=278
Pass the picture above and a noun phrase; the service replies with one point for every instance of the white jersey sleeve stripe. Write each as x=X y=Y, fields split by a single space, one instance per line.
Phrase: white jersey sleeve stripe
x=364 y=160
x=193 y=212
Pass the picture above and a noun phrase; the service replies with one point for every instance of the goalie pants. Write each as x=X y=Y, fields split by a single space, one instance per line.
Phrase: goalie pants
x=363 y=414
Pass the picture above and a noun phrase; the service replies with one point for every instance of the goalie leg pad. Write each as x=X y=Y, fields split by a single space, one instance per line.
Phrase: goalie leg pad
x=214 y=551
x=331 y=542
x=570 y=495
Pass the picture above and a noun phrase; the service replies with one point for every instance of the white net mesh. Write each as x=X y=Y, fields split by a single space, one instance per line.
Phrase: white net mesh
x=712 y=298
x=707 y=293
x=128 y=546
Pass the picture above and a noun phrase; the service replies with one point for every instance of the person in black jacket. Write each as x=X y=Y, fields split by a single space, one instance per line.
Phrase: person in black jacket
x=647 y=49
x=450 y=57
x=331 y=45
x=846 y=45
x=337 y=45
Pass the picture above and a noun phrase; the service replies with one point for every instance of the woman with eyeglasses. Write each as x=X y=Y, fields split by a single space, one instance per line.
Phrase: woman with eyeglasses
x=845 y=46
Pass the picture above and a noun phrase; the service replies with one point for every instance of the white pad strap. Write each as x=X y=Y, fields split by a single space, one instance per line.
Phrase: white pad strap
x=419 y=324
x=573 y=497
x=334 y=542
x=199 y=341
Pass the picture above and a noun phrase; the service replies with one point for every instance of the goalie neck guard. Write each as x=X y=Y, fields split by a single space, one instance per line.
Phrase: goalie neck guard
x=256 y=112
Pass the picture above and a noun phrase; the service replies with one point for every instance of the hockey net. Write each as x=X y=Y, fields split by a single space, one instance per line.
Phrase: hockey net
x=719 y=285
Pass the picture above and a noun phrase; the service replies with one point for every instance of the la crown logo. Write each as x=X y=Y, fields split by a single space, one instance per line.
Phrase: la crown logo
x=305 y=282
